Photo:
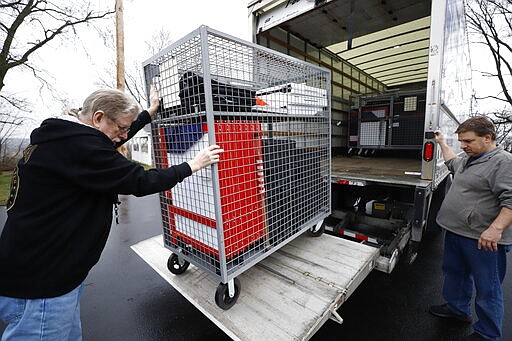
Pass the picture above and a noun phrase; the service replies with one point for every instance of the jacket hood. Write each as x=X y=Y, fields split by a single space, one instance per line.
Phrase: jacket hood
x=59 y=128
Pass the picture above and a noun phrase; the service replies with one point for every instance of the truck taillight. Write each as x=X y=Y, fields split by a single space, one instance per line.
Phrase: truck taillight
x=428 y=151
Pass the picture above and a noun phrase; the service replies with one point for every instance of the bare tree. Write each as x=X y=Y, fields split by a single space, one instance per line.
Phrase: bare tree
x=503 y=122
x=15 y=103
x=45 y=20
x=134 y=82
x=9 y=153
x=26 y=26
x=491 y=22
x=134 y=79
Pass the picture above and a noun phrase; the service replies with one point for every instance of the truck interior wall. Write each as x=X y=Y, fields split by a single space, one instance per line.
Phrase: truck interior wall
x=410 y=87
x=347 y=80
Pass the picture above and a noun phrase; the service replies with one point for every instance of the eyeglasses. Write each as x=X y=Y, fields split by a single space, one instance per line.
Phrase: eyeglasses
x=122 y=130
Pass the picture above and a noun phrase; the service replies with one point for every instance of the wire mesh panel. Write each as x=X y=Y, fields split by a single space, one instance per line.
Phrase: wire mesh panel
x=373 y=124
x=408 y=120
x=389 y=121
x=271 y=115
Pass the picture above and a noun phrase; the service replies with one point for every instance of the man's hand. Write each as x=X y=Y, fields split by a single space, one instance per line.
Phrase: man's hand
x=489 y=239
x=438 y=134
x=206 y=157
x=448 y=153
x=154 y=101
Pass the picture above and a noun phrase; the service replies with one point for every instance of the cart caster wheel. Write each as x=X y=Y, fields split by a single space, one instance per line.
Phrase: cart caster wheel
x=222 y=295
x=174 y=266
x=317 y=231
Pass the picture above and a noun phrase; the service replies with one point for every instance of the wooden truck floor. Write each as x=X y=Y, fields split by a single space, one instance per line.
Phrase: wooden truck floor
x=289 y=295
x=405 y=171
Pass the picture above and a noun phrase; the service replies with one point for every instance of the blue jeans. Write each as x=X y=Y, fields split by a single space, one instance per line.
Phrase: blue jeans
x=464 y=266
x=45 y=319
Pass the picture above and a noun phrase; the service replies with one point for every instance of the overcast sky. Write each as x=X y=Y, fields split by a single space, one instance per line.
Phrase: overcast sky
x=77 y=64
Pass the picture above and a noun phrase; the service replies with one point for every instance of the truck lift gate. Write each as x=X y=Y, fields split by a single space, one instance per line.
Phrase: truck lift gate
x=287 y=296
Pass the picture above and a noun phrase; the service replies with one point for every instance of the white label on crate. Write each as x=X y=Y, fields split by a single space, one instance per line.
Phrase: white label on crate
x=194 y=194
x=191 y=194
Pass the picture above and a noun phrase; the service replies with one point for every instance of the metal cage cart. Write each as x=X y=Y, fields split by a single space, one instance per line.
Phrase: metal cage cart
x=387 y=121
x=271 y=115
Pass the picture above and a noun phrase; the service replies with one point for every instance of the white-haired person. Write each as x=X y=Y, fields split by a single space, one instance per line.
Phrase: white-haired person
x=59 y=212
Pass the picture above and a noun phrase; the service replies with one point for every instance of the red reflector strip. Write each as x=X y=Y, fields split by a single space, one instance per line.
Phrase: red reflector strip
x=428 y=151
x=351 y=182
x=357 y=236
x=361 y=237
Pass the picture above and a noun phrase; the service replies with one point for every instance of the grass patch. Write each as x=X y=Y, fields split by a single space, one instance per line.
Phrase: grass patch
x=146 y=167
x=5 y=184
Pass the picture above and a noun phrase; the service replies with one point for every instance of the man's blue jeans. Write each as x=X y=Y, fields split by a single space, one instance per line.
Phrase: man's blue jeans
x=45 y=319
x=464 y=266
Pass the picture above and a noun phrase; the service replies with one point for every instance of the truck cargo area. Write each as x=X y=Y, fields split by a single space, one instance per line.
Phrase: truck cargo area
x=287 y=296
x=392 y=83
x=406 y=171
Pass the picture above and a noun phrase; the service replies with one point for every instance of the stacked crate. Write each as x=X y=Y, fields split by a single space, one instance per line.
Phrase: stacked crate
x=387 y=121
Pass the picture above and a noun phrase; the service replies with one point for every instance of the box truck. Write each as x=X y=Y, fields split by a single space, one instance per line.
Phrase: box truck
x=399 y=70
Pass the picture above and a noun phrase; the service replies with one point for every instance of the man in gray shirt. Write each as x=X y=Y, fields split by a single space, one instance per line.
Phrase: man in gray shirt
x=476 y=214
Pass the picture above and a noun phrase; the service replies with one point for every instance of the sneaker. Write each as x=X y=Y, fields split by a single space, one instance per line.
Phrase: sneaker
x=444 y=311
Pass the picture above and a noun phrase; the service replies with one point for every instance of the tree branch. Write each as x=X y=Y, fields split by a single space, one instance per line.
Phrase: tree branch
x=53 y=21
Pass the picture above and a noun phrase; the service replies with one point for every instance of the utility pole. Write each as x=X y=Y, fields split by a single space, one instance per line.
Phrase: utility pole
x=120 y=45
x=120 y=56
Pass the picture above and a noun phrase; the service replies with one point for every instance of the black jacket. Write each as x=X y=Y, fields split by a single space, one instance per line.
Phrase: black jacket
x=60 y=209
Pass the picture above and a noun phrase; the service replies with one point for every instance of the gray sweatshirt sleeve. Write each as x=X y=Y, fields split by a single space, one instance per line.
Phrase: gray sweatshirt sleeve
x=501 y=182
x=454 y=164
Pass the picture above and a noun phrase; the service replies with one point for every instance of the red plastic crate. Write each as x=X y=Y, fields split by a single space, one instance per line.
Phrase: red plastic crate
x=241 y=184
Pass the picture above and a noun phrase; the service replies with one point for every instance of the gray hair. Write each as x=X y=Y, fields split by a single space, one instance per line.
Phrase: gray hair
x=71 y=112
x=112 y=102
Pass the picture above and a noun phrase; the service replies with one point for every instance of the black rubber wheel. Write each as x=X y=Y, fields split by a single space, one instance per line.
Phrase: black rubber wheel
x=317 y=233
x=222 y=295
x=174 y=266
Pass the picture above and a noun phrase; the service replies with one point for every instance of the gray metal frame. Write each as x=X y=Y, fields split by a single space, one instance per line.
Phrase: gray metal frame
x=388 y=101
x=228 y=67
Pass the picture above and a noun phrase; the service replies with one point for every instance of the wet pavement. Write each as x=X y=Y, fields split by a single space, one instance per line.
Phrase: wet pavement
x=125 y=299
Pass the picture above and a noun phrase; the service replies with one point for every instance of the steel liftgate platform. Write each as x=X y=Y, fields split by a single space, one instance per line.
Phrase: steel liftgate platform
x=287 y=296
